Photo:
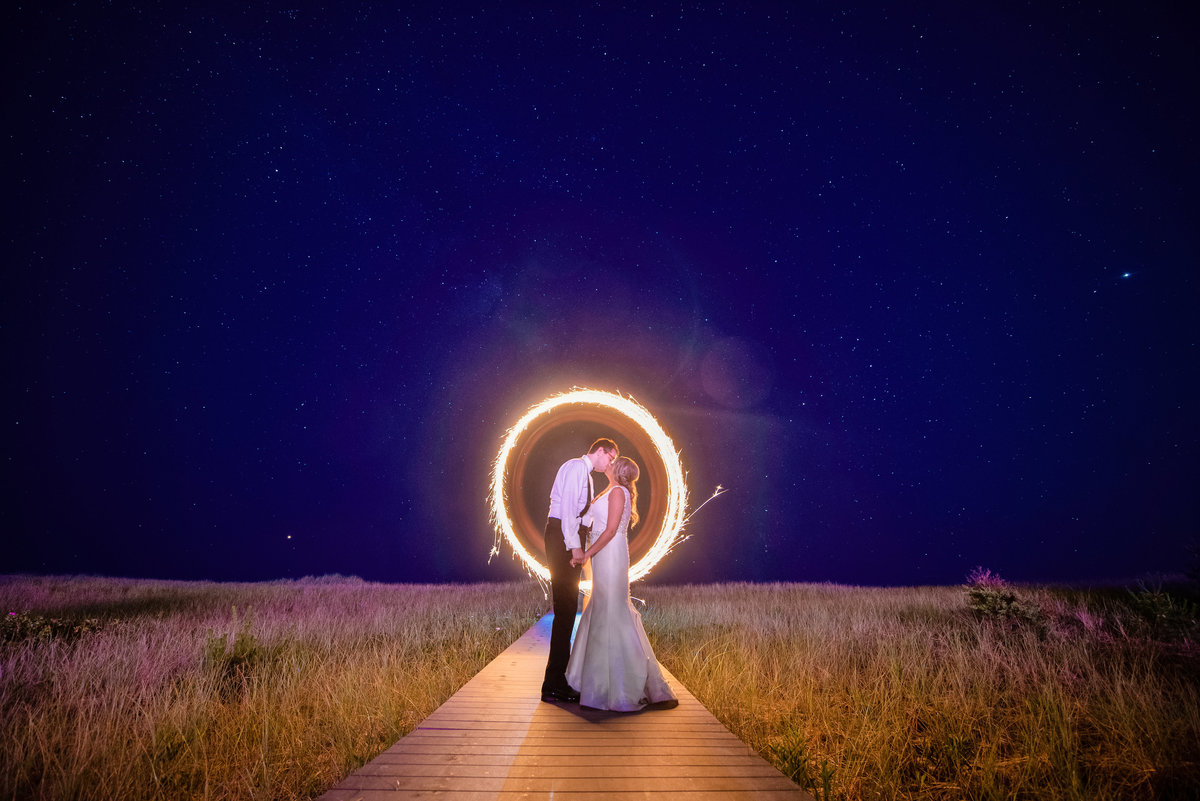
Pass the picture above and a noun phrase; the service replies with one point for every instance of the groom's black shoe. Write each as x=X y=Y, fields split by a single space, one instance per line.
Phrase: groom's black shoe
x=563 y=695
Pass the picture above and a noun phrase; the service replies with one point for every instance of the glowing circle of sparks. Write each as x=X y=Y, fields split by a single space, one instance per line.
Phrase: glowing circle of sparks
x=673 y=521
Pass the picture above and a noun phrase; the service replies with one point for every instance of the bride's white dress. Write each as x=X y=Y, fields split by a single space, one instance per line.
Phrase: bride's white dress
x=612 y=665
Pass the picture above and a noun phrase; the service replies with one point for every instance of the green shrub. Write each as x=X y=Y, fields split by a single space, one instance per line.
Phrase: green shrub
x=992 y=598
x=790 y=753
x=1165 y=615
x=20 y=626
x=235 y=662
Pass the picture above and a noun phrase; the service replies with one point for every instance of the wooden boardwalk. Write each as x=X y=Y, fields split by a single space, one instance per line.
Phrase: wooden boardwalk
x=496 y=739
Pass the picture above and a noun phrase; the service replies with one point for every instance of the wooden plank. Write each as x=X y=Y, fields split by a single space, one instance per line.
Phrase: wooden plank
x=580 y=784
x=560 y=770
x=467 y=753
x=431 y=762
x=629 y=739
x=649 y=794
x=496 y=739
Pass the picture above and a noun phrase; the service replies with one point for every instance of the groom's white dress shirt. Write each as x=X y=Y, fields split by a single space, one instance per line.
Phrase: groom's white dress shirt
x=569 y=494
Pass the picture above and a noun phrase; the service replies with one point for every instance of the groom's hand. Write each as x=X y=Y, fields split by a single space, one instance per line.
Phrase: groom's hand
x=576 y=557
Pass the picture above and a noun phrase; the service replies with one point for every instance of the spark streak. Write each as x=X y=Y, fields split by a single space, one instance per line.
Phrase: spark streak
x=671 y=533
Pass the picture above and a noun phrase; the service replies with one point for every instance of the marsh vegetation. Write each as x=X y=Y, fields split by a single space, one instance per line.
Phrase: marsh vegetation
x=983 y=691
x=113 y=688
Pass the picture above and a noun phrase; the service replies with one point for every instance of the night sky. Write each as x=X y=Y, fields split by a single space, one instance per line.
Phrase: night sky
x=917 y=286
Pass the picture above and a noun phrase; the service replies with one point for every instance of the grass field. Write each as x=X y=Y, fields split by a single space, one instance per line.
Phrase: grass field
x=944 y=692
x=114 y=688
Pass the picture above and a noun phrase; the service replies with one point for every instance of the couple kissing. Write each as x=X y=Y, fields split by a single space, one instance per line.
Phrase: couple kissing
x=611 y=665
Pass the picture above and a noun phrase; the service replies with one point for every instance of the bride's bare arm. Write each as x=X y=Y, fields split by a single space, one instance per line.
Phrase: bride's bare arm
x=616 y=505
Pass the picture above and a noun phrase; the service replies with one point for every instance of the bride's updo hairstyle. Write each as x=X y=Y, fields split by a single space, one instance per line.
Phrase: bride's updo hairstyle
x=626 y=471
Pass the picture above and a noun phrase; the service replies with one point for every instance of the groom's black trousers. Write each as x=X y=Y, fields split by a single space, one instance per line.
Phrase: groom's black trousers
x=564 y=591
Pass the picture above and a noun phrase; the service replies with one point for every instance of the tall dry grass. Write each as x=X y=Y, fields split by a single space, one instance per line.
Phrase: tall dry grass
x=137 y=689
x=129 y=689
x=867 y=693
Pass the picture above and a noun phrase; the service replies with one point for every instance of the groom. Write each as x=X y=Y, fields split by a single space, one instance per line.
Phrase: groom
x=569 y=497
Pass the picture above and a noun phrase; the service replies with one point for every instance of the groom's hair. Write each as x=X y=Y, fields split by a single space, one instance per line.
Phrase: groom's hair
x=605 y=443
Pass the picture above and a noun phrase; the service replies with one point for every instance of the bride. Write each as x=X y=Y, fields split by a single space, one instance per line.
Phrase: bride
x=612 y=665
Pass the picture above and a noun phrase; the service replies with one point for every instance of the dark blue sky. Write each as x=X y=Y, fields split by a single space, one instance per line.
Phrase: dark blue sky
x=917 y=285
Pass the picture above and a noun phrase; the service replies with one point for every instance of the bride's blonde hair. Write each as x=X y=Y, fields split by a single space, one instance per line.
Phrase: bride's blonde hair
x=626 y=471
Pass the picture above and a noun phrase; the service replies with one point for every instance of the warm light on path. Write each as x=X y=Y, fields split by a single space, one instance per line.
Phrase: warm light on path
x=672 y=525
x=496 y=738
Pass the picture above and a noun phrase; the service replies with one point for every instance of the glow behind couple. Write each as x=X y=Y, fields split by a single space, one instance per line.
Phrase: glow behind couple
x=673 y=514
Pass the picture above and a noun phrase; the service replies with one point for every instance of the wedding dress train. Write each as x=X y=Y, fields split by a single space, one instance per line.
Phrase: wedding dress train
x=612 y=665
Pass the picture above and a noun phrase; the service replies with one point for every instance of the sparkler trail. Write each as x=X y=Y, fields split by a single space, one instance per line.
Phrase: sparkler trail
x=671 y=533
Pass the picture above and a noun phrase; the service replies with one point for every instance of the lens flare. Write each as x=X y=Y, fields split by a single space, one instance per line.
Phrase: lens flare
x=671 y=533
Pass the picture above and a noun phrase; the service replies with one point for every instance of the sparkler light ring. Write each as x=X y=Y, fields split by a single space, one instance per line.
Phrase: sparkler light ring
x=632 y=422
